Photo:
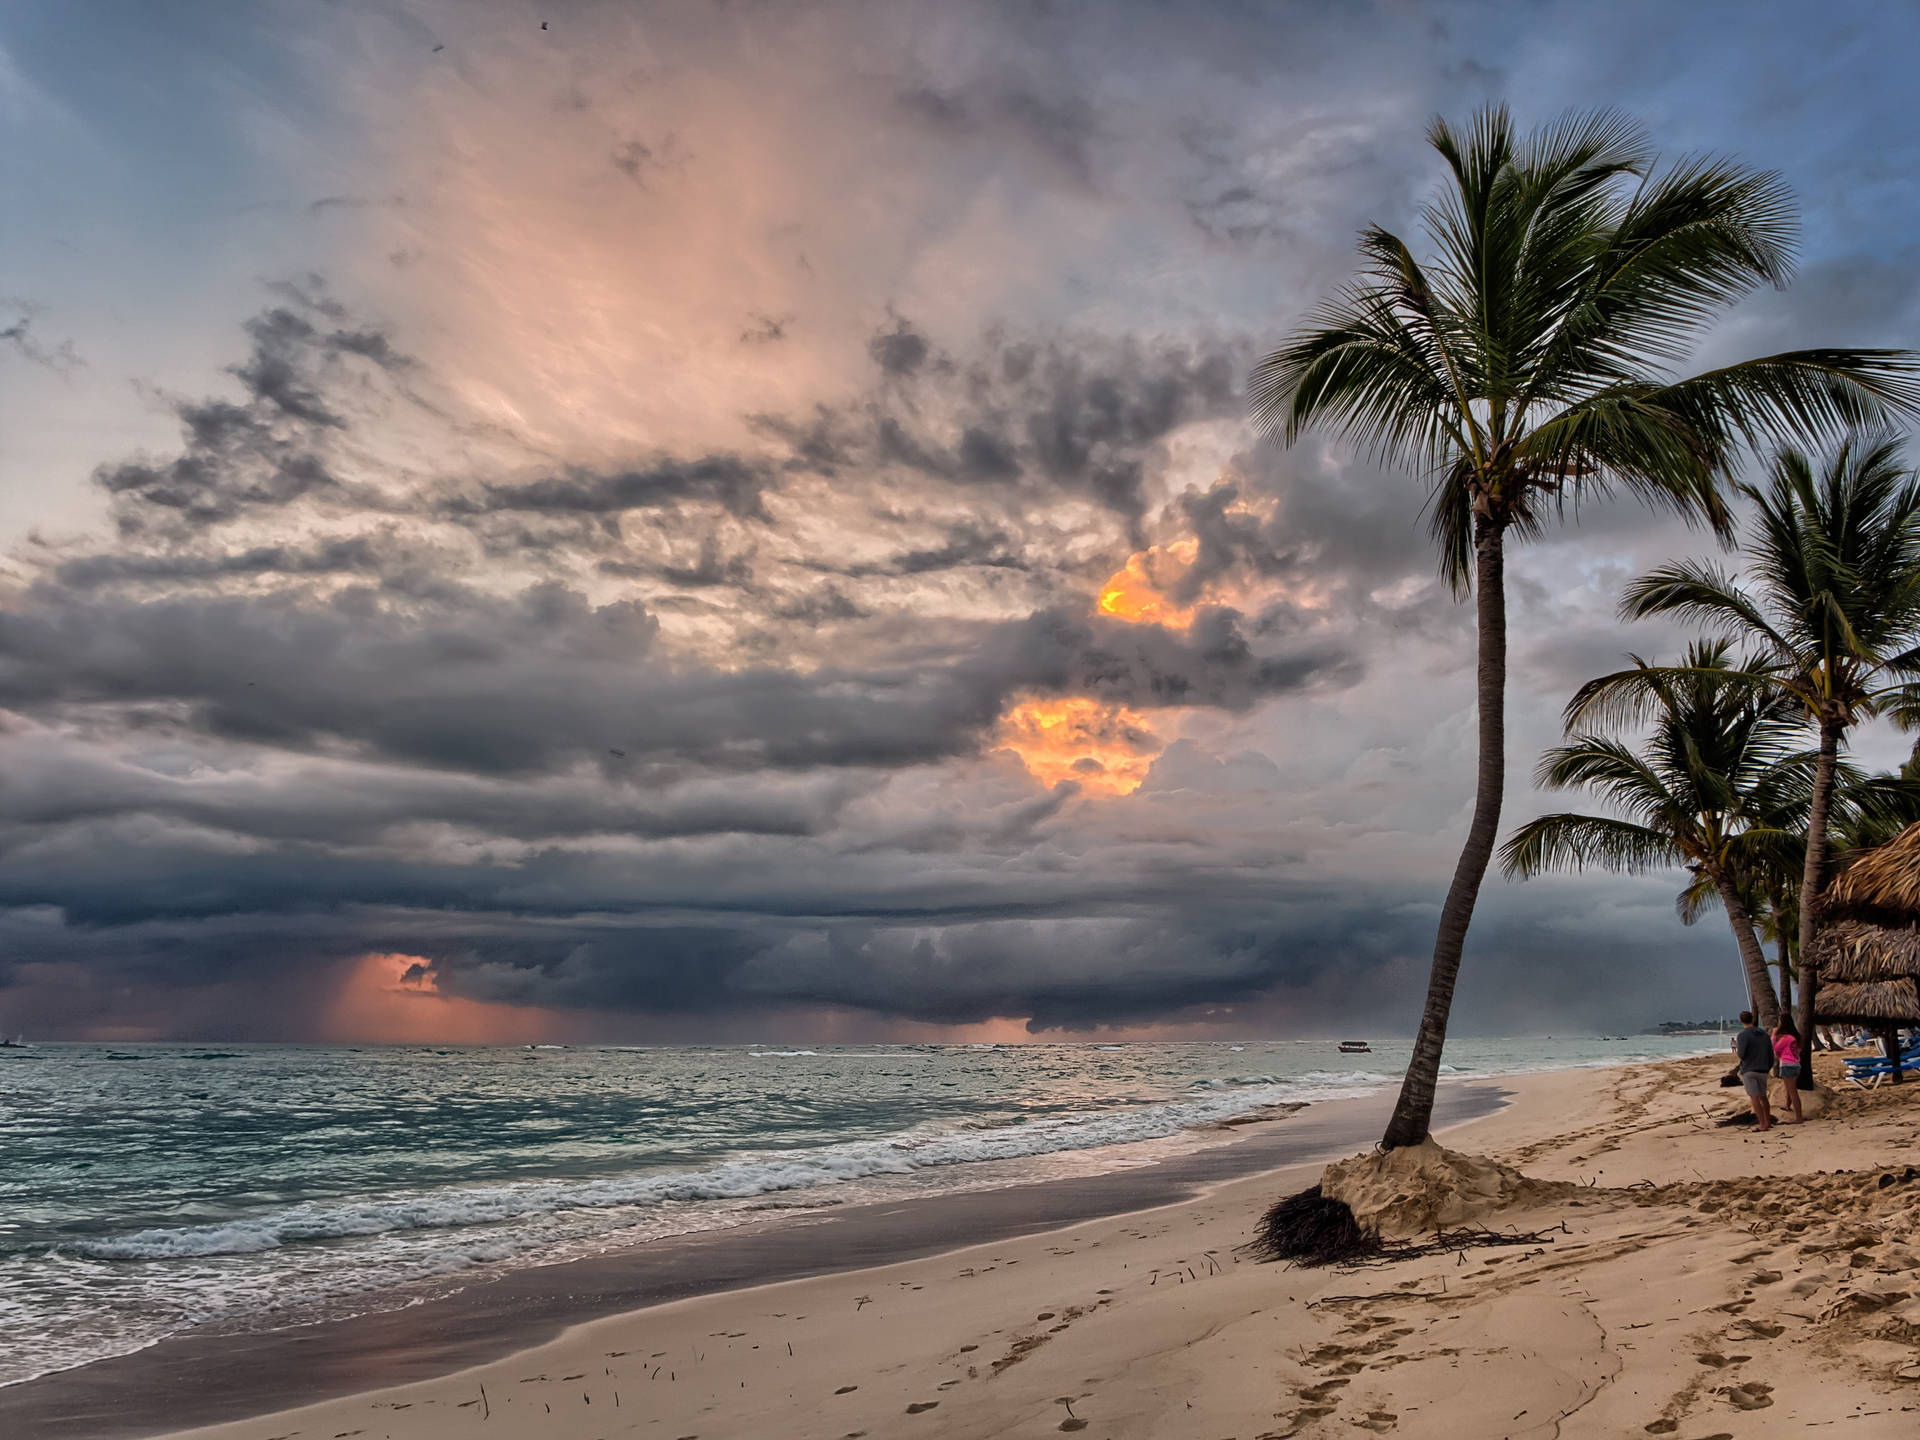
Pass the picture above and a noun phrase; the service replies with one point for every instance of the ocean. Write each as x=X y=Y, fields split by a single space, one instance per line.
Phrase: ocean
x=146 y=1190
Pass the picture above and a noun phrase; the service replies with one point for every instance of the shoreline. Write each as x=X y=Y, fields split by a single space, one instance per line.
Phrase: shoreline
x=1657 y=1272
x=202 y=1379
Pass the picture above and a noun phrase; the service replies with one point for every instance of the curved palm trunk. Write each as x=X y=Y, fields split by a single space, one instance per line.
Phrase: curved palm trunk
x=1413 y=1111
x=1759 y=982
x=1811 y=878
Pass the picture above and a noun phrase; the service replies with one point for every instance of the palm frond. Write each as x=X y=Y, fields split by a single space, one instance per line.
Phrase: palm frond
x=1579 y=842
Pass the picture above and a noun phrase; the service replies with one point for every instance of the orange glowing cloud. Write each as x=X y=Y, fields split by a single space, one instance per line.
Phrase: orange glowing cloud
x=395 y=1000
x=1107 y=748
x=1137 y=590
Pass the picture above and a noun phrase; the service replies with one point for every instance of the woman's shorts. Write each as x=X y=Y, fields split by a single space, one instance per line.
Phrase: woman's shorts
x=1789 y=1072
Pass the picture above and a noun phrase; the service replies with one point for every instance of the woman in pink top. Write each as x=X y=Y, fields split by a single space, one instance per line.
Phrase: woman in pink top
x=1786 y=1054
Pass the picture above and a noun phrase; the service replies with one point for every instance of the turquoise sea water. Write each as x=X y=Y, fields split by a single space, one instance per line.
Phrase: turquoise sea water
x=148 y=1189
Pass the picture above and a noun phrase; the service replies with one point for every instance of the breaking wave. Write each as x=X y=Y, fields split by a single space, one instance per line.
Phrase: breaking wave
x=763 y=1174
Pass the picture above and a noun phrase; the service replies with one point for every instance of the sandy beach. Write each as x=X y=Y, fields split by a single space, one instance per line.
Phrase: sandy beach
x=1698 y=1281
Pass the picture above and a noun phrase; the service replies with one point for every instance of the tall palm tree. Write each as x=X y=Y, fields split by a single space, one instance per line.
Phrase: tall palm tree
x=1700 y=793
x=1529 y=363
x=1833 y=606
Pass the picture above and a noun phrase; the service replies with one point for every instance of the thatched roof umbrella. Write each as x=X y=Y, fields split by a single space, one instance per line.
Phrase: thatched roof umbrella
x=1868 y=947
x=1881 y=887
x=1871 y=1002
x=1852 y=951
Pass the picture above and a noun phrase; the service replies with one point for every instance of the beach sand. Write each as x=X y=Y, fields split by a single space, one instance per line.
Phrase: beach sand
x=1698 y=1281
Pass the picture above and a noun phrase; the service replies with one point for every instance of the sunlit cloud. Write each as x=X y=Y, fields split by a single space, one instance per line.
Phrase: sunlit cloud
x=1107 y=749
x=1137 y=590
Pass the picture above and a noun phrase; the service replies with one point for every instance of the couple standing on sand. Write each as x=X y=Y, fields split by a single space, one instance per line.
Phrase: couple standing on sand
x=1759 y=1054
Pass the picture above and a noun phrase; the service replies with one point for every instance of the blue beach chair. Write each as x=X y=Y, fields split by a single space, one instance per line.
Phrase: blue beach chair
x=1868 y=1073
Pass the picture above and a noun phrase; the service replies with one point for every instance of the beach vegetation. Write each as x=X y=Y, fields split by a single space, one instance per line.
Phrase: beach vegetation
x=1714 y=786
x=1830 y=607
x=1531 y=362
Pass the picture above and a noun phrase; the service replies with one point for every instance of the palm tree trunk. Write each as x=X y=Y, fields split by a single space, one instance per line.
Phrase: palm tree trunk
x=1776 y=898
x=1811 y=878
x=1759 y=981
x=1413 y=1111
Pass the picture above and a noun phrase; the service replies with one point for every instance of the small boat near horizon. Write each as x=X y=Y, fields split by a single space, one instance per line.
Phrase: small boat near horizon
x=18 y=1042
x=1355 y=1047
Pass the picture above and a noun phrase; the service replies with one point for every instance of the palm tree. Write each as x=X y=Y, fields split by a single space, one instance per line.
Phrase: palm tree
x=1833 y=608
x=1529 y=363
x=1700 y=793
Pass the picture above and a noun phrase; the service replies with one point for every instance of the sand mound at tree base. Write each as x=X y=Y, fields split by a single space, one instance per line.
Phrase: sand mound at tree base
x=1418 y=1189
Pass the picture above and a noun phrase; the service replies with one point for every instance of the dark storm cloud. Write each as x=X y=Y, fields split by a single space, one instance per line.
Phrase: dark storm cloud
x=826 y=605
x=733 y=482
x=1211 y=664
x=900 y=349
x=351 y=555
x=272 y=449
x=968 y=544
x=522 y=684
x=1071 y=414
x=1160 y=944
x=1233 y=541
x=333 y=805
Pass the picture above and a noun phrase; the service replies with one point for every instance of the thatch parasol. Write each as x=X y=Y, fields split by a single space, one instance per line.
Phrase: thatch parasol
x=1877 y=1003
x=1882 y=885
x=1852 y=951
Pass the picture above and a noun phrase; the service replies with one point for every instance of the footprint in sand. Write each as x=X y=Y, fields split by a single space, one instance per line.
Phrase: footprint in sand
x=1379 y=1421
x=1750 y=1397
x=925 y=1405
x=1074 y=1424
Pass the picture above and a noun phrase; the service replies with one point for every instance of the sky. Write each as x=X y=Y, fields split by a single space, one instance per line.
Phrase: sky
x=726 y=521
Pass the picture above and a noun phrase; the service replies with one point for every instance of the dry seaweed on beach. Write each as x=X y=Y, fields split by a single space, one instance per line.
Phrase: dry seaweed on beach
x=1309 y=1229
x=1447 y=1242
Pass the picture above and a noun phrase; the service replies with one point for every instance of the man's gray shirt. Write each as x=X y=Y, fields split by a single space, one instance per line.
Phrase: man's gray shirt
x=1754 y=1048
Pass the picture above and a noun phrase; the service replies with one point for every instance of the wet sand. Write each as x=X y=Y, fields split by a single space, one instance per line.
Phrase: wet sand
x=205 y=1379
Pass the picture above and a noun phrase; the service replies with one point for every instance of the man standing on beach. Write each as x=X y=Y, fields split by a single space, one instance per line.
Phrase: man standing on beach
x=1755 y=1049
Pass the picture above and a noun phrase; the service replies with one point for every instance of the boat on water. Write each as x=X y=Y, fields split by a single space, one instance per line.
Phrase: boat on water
x=1355 y=1047
x=18 y=1042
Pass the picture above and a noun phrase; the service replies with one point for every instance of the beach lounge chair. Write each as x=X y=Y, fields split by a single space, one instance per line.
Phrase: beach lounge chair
x=1868 y=1073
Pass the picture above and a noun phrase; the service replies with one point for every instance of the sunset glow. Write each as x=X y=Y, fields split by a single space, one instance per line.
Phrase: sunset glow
x=394 y=999
x=1108 y=749
x=1137 y=590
